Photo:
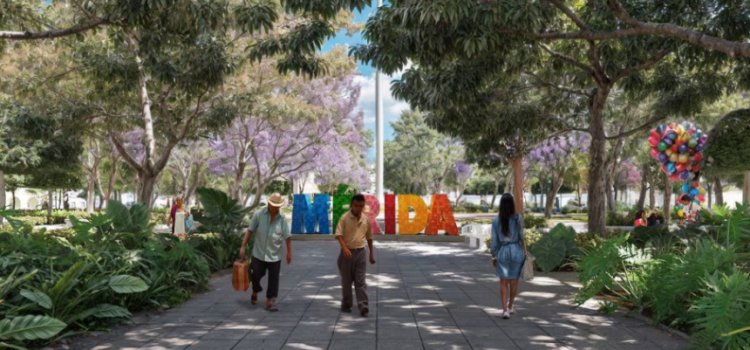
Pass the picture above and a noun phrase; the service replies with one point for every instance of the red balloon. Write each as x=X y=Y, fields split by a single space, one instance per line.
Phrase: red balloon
x=674 y=177
x=701 y=198
x=655 y=153
x=696 y=167
x=664 y=168
x=654 y=134
x=675 y=148
x=680 y=167
x=696 y=184
x=653 y=141
x=698 y=157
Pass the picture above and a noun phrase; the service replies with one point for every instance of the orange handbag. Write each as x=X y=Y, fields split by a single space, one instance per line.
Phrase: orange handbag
x=240 y=276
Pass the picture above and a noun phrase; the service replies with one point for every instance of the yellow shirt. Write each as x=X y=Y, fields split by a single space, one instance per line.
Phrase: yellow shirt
x=355 y=231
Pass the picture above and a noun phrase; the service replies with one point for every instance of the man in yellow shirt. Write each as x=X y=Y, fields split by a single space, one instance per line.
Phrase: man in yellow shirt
x=352 y=231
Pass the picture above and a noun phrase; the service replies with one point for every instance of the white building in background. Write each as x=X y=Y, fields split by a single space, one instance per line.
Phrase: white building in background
x=32 y=199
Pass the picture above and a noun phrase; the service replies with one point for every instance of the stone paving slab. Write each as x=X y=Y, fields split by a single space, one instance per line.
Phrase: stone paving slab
x=422 y=296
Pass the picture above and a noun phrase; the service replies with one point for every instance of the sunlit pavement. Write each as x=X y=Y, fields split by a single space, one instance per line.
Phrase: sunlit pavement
x=422 y=296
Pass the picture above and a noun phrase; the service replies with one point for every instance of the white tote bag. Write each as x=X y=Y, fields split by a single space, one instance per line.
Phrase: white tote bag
x=527 y=272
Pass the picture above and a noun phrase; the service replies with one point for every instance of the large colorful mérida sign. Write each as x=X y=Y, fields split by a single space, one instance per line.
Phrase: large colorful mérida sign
x=311 y=214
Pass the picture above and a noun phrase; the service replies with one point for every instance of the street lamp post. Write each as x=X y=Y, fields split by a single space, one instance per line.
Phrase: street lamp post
x=379 y=132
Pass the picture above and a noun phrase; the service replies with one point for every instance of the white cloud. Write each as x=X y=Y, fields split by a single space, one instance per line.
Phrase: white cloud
x=392 y=107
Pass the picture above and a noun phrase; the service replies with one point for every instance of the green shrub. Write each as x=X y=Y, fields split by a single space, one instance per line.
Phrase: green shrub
x=532 y=221
x=554 y=248
x=620 y=219
x=94 y=275
x=467 y=207
x=694 y=278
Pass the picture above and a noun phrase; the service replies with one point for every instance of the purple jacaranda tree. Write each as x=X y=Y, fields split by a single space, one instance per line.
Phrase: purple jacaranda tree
x=304 y=126
x=549 y=160
x=458 y=177
x=627 y=176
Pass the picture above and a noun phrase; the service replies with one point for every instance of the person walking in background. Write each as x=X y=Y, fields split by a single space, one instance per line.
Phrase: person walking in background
x=508 y=250
x=177 y=217
x=352 y=231
x=269 y=228
x=640 y=219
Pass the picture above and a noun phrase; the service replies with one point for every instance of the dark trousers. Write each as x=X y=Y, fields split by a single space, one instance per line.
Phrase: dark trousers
x=353 y=270
x=259 y=270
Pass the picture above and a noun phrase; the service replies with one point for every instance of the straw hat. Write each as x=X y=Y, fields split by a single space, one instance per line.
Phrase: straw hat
x=276 y=200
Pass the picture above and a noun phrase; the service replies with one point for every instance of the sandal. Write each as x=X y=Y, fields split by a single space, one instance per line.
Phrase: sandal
x=272 y=308
x=254 y=299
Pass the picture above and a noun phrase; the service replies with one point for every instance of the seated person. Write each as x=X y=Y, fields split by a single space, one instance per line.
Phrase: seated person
x=652 y=220
x=640 y=218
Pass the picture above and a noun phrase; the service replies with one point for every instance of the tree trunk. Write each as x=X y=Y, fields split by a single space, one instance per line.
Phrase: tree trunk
x=90 y=193
x=557 y=183
x=719 y=189
x=146 y=183
x=494 y=193
x=598 y=167
x=194 y=185
x=746 y=188
x=642 y=195
x=50 y=195
x=101 y=190
x=652 y=194
x=517 y=164
x=667 y=198
x=2 y=193
x=710 y=190
x=112 y=179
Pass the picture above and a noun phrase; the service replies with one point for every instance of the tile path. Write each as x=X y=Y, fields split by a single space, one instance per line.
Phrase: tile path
x=422 y=296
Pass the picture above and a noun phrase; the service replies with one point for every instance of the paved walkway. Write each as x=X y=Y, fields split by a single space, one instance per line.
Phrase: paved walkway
x=422 y=296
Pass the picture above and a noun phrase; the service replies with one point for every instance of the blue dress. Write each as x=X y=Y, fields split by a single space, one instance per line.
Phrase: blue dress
x=508 y=249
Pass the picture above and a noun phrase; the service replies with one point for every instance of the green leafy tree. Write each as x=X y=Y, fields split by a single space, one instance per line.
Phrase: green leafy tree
x=419 y=159
x=459 y=48
x=155 y=81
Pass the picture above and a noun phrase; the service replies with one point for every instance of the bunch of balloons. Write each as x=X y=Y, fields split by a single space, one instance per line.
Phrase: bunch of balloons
x=679 y=148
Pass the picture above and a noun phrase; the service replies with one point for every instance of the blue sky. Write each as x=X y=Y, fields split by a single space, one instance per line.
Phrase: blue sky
x=391 y=107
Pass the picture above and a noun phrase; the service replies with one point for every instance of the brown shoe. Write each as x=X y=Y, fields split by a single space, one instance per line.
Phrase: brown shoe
x=364 y=311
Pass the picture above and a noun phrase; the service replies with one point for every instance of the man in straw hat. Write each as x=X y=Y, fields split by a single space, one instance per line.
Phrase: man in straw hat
x=270 y=228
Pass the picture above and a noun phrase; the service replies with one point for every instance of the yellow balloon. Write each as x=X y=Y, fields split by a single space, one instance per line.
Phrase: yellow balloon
x=668 y=152
x=679 y=130
x=680 y=213
x=673 y=158
x=702 y=190
x=683 y=158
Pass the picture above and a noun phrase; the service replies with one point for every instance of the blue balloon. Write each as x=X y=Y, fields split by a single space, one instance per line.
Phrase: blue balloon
x=660 y=129
x=663 y=158
x=685 y=175
x=684 y=149
x=670 y=167
x=694 y=192
x=672 y=135
x=685 y=188
x=668 y=141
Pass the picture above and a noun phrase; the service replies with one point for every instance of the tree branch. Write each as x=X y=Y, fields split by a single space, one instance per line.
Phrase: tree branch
x=50 y=34
x=586 y=68
x=560 y=88
x=731 y=48
x=124 y=153
x=570 y=14
x=643 y=66
x=638 y=129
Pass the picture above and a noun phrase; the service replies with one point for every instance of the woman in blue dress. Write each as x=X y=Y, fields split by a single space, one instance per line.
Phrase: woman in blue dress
x=508 y=249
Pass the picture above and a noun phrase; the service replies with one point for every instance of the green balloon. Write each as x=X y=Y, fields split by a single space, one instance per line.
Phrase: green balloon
x=692 y=143
x=662 y=146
